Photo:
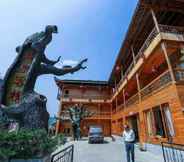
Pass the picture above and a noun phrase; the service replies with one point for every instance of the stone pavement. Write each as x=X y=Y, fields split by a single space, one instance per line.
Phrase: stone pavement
x=109 y=152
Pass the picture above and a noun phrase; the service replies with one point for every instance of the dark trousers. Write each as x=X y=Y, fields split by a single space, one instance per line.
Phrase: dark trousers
x=129 y=151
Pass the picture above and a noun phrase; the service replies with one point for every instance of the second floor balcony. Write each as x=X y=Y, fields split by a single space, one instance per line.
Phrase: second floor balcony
x=153 y=87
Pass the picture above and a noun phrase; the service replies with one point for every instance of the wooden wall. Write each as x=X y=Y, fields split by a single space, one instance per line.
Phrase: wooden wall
x=172 y=94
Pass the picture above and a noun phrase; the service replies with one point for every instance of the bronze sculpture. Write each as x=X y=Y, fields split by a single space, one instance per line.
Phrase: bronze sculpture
x=20 y=102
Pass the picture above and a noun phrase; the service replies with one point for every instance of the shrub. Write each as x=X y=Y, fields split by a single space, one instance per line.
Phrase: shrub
x=26 y=144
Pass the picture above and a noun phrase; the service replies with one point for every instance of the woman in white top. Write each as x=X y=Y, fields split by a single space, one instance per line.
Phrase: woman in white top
x=129 y=138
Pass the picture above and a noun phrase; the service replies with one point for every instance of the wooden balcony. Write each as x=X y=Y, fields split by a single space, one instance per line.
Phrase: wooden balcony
x=178 y=32
x=170 y=33
x=160 y=82
x=132 y=100
x=101 y=115
x=156 y=85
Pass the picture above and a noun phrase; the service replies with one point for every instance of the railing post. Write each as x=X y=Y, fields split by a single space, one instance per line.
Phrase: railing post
x=72 y=153
x=163 y=151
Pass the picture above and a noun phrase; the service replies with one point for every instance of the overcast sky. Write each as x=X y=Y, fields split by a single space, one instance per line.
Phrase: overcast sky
x=92 y=29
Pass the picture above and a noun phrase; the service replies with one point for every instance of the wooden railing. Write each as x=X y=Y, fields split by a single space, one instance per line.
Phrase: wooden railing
x=97 y=115
x=147 y=42
x=101 y=115
x=90 y=97
x=133 y=100
x=171 y=29
x=159 y=82
x=120 y=107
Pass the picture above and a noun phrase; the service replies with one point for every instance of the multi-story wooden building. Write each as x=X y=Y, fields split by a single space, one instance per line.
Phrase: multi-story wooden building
x=146 y=86
x=94 y=95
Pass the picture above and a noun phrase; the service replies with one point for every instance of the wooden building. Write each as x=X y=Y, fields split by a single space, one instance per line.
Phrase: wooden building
x=94 y=95
x=146 y=85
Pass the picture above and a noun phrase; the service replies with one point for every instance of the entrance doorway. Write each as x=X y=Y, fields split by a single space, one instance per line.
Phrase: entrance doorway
x=133 y=122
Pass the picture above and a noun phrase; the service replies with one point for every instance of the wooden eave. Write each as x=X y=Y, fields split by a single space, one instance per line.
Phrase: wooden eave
x=141 y=26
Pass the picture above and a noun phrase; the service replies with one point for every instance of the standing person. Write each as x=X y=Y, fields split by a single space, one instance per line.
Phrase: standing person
x=129 y=139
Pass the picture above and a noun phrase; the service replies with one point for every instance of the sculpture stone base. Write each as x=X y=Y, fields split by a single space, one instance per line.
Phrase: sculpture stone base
x=31 y=113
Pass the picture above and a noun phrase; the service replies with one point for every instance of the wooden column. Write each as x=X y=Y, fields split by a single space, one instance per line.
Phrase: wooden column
x=124 y=98
x=137 y=75
x=116 y=100
x=133 y=54
x=115 y=83
x=155 y=20
x=138 y=87
x=163 y=46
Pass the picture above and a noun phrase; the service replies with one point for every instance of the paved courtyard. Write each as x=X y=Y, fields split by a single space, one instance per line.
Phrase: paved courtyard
x=109 y=152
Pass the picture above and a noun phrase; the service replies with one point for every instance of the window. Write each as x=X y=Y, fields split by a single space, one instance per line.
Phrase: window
x=168 y=119
x=159 y=124
x=159 y=121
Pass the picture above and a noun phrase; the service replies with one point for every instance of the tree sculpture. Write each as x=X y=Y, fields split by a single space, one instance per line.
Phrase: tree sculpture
x=20 y=101
x=77 y=114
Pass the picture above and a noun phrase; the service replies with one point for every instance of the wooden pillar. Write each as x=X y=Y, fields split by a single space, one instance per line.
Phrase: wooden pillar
x=137 y=75
x=138 y=87
x=155 y=20
x=116 y=100
x=163 y=46
x=124 y=98
x=133 y=54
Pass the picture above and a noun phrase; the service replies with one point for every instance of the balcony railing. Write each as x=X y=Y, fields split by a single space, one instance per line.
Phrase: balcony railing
x=171 y=29
x=146 y=44
x=97 y=115
x=133 y=100
x=89 y=97
x=156 y=84
x=154 y=33
x=163 y=29
x=101 y=115
x=160 y=82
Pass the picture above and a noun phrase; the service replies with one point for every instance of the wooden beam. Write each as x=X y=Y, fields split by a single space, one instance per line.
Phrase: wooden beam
x=165 y=7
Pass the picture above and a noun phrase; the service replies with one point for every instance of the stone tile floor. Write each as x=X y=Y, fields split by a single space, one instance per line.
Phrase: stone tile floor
x=109 y=152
